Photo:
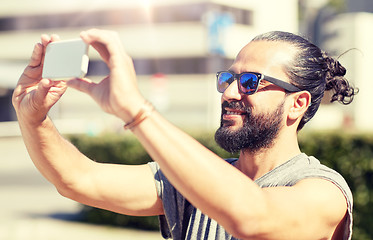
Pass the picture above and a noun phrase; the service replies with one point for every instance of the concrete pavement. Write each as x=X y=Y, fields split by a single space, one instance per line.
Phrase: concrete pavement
x=31 y=208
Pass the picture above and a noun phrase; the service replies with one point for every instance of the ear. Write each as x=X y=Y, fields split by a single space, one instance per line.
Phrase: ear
x=299 y=105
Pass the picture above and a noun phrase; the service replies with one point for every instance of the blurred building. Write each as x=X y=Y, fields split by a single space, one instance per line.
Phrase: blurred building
x=337 y=31
x=177 y=46
x=352 y=32
x=359 y=6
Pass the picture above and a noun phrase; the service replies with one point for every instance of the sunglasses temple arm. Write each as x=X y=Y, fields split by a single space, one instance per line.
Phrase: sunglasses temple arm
x=287 y=86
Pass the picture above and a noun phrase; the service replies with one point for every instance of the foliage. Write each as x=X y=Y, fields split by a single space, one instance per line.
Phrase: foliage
x=349 y=154
x=338 y=5
x=119 y=150
x=352 y=156
x=101 y=216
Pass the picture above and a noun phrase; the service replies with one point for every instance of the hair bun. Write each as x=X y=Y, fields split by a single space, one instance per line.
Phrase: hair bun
x=335 y=81
x=334 y=67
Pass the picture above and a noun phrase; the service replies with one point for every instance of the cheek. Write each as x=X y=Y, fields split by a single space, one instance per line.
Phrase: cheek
x=267 y=103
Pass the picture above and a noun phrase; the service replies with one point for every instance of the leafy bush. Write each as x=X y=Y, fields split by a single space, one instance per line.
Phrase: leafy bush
x=349 y=154
x=352 y=156
x=120 y=150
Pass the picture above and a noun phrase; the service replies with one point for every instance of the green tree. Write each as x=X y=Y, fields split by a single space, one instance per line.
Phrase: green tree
x=338 y=5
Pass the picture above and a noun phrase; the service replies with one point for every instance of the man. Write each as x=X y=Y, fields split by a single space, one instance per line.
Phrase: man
x=272 y=191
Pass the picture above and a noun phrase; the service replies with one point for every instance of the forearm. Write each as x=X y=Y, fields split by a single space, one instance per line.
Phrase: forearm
x=205 y=179
x=57 y=159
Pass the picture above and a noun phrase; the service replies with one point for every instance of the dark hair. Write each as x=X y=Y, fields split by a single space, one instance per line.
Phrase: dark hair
x=314 y=71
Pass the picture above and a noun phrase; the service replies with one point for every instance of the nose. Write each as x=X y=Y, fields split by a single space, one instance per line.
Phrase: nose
x=232 y=93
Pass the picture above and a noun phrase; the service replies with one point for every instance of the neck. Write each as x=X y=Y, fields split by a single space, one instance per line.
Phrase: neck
x=256 y=164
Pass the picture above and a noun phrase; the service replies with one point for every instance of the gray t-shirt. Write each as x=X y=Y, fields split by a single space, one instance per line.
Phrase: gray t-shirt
x=184 y=221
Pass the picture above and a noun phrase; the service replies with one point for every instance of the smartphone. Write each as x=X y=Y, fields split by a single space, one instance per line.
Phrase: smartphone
x=66 y=59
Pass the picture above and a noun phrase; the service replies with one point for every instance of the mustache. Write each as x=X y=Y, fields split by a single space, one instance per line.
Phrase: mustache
x=235 y=105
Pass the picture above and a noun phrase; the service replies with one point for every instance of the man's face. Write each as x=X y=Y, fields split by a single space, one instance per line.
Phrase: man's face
x=253 y=122
x=257 y=132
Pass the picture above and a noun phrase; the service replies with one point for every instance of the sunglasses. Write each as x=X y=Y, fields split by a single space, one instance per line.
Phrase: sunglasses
x=248 y=82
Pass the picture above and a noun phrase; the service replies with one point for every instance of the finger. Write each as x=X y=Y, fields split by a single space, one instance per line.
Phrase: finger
x=101 y=48
x=36 y=56
x=55 y=38
x=47 y=94
x=97 y=35
x=107 y=43
x=81 y=84
x=42 y=90
x=45 y=40
x=32 y=73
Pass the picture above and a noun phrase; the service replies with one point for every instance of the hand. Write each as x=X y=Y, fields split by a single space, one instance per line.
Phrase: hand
x=33 y=96
x=117 y=93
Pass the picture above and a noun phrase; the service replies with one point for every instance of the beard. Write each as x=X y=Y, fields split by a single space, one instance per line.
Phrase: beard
x=258 y=131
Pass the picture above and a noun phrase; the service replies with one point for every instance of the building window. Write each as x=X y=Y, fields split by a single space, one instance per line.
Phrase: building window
x=196 y=65
x=123 y=16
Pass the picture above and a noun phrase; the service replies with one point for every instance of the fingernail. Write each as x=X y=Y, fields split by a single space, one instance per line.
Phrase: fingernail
x=83 y=34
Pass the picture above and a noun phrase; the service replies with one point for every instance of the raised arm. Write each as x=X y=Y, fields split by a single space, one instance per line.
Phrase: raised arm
x=215 y=187
x=119 y=188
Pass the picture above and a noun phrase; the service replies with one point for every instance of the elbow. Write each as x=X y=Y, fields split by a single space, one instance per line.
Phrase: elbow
x=68 y=190
x=65 y=190
x=248 y=230
x=73 y=186
x=76 y=189
x=72 y=194
x=244 y=230
x=252 y=225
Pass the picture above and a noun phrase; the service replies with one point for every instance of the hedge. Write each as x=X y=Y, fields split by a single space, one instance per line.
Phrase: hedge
x=352 y=156
x=349 y=154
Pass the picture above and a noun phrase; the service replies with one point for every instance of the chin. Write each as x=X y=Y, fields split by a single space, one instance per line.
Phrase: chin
x=233 y=128
x=231 y=124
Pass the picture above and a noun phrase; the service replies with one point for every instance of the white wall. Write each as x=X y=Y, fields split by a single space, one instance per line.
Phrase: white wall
x=352 y=31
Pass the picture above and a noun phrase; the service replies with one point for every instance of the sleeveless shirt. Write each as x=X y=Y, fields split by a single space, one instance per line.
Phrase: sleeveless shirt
x=181 y=220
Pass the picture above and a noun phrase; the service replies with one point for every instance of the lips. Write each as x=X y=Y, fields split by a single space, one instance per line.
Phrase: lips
x=233 y=112
x=231 y=116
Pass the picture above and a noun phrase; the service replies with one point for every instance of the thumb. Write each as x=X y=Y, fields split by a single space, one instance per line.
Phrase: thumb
x=81 y=84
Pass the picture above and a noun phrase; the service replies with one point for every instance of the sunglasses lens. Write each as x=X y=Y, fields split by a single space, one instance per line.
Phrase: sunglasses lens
x=223 y=81
x=248 y=83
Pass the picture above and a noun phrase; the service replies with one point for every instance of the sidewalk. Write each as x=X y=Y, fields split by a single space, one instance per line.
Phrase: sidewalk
x=31 y=208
